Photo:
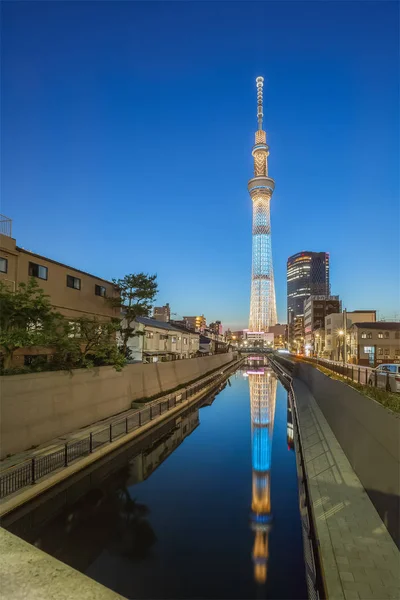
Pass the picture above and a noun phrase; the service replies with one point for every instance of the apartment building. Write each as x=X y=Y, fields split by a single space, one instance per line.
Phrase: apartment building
x=162 y=313
x=196 y=323
x=374 y=343
x=335 y=325
x=159 y=342
x=316 y=308
x=72 y=292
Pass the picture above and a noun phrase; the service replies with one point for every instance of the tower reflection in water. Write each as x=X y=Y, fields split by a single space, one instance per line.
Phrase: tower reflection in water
x=263 y=385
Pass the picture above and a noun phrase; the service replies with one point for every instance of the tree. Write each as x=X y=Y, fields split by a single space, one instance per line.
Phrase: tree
x=26 y=319
x=137 y=292
x=85 y=343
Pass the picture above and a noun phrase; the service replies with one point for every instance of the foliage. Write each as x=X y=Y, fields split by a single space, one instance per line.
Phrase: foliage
x=136 y=295
x=389 y=400
x=85 y=343
x=27 y=319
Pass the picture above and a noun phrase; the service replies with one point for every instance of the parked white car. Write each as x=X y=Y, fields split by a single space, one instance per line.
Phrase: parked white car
x=383 y=379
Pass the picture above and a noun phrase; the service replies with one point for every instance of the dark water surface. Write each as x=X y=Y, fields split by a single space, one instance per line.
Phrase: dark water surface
x=205 y=506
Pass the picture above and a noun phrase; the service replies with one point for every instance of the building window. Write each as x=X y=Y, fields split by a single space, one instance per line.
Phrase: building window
x=397 y=335
x=386 y=335
x=368 y=349
x=39 y=271
x=173 y=339
x=397 y=352
x=74 y=329
x=328 y=331
x=328 y=321
x=149 y=335
x=380 y=335
x=387 y=351
x=163 y=337
x=3 y=265
x=73 y=282
x=369 y=335
x=185 y=341
x=364 y=335
x=99 y=290
x=380 y=350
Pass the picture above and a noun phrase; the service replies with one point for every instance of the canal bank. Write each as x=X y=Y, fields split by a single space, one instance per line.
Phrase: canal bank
x=358 y=557
x=207 y=507
x=37 y=471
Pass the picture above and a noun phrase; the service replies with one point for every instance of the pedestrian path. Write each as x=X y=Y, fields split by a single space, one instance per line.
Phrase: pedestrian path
x=358 y=556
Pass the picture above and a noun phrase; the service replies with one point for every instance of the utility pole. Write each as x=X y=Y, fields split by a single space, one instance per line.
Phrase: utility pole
x=344 y=336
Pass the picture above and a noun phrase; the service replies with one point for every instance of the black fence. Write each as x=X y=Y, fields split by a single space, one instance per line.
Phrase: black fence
x=30 y=471
x=359 y=374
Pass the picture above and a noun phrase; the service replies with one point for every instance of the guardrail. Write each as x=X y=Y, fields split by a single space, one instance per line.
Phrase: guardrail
x=29 y=472
x=357 y=373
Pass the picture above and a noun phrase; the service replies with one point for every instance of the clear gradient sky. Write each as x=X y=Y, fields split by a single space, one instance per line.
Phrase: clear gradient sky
x=127 y=130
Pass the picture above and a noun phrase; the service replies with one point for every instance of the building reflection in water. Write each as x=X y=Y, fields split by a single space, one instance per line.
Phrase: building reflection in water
x=263 y=386
x=104 y=515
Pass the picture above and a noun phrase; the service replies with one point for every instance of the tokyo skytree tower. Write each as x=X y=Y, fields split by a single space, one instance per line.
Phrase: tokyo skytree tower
x=263 y=386
x=261 y=188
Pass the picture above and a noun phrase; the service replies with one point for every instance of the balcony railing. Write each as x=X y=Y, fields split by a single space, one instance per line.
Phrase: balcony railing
x=5 y=226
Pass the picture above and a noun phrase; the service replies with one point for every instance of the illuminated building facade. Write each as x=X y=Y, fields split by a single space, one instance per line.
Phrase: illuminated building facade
x=261 y=188
x=263 y=384
x=307 y=274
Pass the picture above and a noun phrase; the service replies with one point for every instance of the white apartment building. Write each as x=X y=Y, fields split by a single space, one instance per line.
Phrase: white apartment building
x=158 y=341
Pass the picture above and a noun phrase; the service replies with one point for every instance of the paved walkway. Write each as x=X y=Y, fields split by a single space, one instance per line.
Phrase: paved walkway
x=359 y=558
x=56 y=443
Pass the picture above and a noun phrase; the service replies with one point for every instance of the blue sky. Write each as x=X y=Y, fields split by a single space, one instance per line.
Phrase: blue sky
x=127 y=130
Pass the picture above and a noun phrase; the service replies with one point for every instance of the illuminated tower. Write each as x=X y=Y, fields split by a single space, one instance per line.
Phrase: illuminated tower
x=261 y=187
x=262 y=401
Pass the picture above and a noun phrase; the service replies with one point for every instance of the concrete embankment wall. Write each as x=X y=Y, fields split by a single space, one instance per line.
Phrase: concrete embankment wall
x=369 y=435
x=40 y=406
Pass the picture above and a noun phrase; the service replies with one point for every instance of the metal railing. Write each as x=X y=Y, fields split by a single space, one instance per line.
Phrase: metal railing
x=5 y=226
x=30 y=471
x=357 y=373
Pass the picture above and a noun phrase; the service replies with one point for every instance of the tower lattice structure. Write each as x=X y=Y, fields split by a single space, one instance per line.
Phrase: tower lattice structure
x=261 y=188
x=263 y=386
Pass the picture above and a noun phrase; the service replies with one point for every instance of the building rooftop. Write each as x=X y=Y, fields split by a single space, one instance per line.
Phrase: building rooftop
x=163 y=325
x=391 y=325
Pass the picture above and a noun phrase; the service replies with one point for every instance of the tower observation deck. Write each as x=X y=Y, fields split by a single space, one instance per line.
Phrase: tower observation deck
x=261 y=188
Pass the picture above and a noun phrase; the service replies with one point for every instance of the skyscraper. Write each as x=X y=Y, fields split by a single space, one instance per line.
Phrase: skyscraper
x=307 y=274
x=261 y=187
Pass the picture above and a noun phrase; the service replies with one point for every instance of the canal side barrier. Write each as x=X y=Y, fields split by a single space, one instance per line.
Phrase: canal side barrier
x=357 y=556
x=312 y=559
x=38 y=407
x=72 y=456
x=369 y=435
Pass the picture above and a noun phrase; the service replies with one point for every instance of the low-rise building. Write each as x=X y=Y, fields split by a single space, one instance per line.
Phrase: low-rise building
x=73 y=293
x=280 y=335
x=316 y=308
x=335 y=327
x=158 y=341
x=374 y=343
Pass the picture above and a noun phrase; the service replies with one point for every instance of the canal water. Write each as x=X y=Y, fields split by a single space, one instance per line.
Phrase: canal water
x=204 y=506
